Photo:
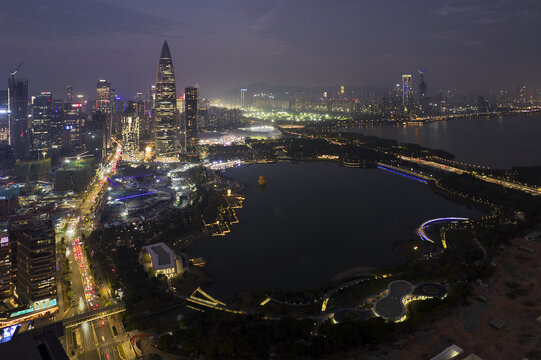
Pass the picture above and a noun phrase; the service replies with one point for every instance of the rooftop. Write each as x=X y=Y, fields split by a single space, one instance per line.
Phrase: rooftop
x=450 y=353
x=6 y=193
x=161 y=255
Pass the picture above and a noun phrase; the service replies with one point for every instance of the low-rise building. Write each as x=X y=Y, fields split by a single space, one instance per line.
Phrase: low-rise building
x=9 y=200
x=532 y=236
x=161 y=259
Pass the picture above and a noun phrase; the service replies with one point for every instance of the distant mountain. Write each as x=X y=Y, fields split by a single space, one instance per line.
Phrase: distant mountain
x=282 y=90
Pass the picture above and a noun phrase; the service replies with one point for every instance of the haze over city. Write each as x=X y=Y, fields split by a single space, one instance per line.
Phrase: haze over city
x=467 y=45
x=280 y=179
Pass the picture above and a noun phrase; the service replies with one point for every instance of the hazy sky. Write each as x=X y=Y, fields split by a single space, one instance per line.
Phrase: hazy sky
x=220 y=44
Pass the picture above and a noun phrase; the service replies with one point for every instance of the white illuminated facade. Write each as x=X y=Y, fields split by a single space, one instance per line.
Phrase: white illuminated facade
x=407 y=91
x=130 y=138
x=160 y=259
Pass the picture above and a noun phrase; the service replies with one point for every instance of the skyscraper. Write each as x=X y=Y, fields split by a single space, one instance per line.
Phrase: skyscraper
x=18 y=117
x=74 y=120
x=36 y=262
x=103 y=96
x=139 y=96
x=94 y=135
x=422 y=84
x=4 y=127
x=190 y=112
x=69 y=93
x=152 y=96
x=165 y=109
x=243 y=97
x=104 y=105
x=58 y=123
x=423 y=93
x=131 y=132
x=43 y=126
x=407 y=92
x=6 y=263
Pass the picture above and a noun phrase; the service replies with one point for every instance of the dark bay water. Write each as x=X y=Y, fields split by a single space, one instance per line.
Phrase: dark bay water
x=314 y=220
x=500 y=142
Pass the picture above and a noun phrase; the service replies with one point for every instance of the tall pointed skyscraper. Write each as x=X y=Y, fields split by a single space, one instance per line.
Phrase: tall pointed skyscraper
x=19 y=131
x=165 y=109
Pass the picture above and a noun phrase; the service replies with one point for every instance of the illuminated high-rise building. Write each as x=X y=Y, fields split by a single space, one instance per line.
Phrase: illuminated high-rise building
x=74 y=121
x=165 y=107
x=104 y=105
x=407 y=92
x=423 y=93
x=180 y=104
x=130 y=132
x=19 y=131
x=43 y=125
x=36 y=262
x=190 y=113
x=4 y=126
x=69 y=93
x=58 y=123
x=152 y=96
x=243 y=97
x=6 y=262
x=103 y=96
x=422 y=84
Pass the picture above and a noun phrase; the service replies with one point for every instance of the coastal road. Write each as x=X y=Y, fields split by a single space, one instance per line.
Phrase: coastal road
x=508 y=184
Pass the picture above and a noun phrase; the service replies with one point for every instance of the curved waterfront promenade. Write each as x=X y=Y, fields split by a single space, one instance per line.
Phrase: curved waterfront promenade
x=421 y=230
x=327 y=295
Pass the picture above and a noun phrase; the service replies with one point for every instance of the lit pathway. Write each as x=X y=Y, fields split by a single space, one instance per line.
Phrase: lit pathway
x=508 y=184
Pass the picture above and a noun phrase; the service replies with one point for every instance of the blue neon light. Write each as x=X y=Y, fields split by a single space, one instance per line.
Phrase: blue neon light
x=111 y=181
x=8 y=332
x=421 y=230
x=136 y=176
x=402 y=174
x=133 y=196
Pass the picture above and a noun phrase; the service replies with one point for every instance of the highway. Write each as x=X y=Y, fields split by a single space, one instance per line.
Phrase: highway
x=508 y=184
x=101 y=338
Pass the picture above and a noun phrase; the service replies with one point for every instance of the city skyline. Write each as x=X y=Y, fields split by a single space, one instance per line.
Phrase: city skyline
x=464 y=46
x=266 y=179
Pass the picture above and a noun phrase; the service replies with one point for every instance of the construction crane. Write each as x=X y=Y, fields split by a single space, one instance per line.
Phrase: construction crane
x=13 y=71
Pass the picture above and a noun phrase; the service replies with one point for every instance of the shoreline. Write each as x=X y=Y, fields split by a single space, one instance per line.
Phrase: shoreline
x=402 y=247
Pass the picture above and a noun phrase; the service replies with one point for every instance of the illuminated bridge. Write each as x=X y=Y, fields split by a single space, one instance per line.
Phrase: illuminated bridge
x=93 y=315
x=404 y=172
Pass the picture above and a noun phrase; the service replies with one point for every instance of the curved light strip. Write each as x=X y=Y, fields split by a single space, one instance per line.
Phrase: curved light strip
x=421 y=230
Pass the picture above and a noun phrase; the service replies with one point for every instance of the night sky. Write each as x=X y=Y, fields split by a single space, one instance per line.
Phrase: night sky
x=220 y=44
